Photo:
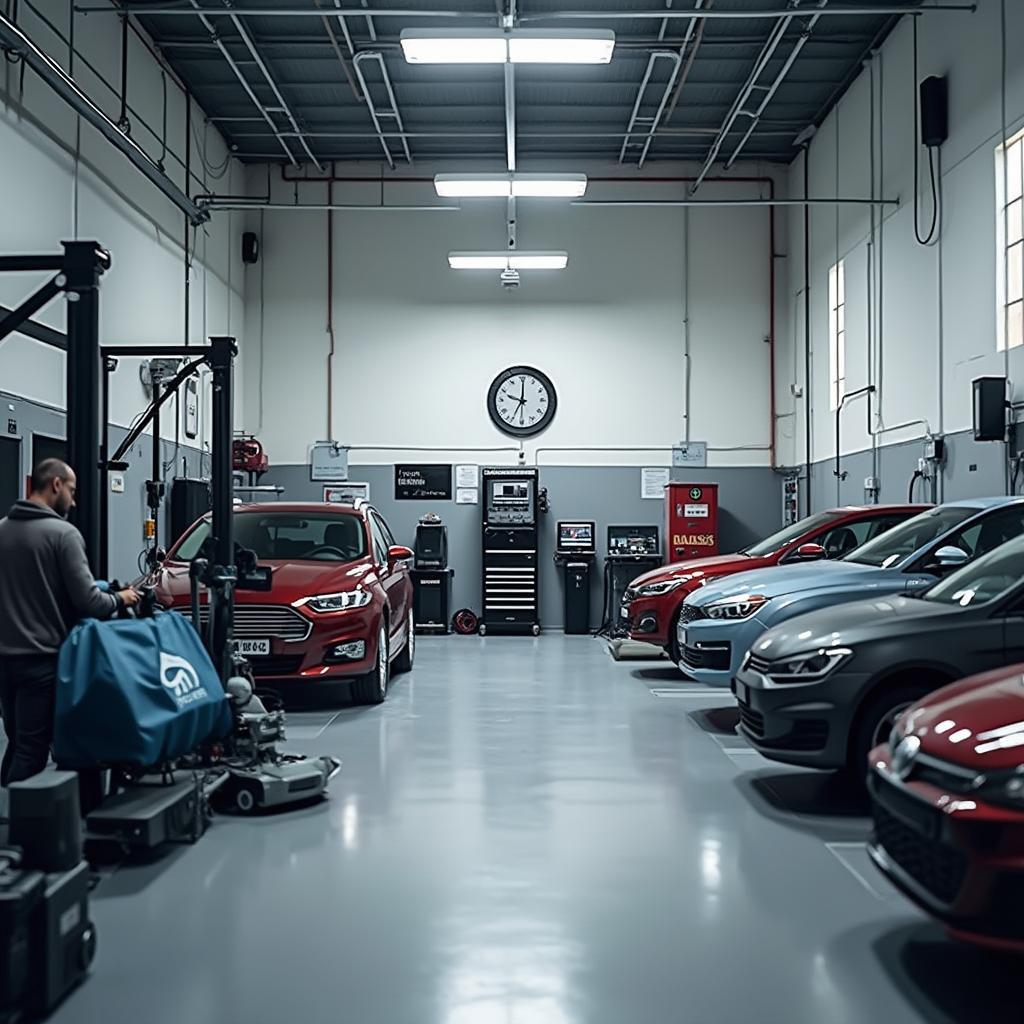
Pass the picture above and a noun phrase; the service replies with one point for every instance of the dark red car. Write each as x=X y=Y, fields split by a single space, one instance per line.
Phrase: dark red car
x=650 y=606
x=947 y=794
x=340 y=604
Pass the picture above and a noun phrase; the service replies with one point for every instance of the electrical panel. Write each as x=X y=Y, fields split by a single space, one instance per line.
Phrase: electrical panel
x=790 y=499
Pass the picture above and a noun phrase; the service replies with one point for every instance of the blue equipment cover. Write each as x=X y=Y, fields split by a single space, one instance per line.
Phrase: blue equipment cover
x=135 y=692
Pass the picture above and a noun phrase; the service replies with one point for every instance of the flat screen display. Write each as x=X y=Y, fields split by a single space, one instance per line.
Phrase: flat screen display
x=511 y=493
x=576 y=536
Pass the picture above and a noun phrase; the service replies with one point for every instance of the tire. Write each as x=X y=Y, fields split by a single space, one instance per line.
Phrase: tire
x=535 y=630
x=672 y=650
x=372 y=688
x=482 y=630
x=874 y=722
x=405 y=658
x=246 y=798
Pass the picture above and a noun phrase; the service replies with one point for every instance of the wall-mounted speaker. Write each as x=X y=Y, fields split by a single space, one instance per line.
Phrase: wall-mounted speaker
x=250 y=247
x=934 y=111
x=989 y=408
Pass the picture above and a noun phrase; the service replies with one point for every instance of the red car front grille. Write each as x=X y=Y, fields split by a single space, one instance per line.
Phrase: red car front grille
x=265 y=621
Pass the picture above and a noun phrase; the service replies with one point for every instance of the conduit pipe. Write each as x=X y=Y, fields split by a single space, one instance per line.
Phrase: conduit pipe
x=208 y=25
x=606 y=15
x=15 y=41
x=330 y=308
x=635 y=118
x=375 y=115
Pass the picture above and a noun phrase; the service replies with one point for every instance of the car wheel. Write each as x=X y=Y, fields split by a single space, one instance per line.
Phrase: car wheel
x=247 y=797
x=673 y=640
x=373 y=687
x=875 y=723
x=403 y=663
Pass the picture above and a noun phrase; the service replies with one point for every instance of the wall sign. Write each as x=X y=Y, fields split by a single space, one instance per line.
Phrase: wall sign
x=691 y=454
x=346 y=493
x=328 y=461
x=423 y=483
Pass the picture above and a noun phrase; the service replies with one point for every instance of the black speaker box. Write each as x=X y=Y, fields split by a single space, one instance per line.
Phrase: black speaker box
x=934 y=111
x=989 y=408
x=46 y=822
x=190 y=499
x=21 y=893
x=431 y=546
x=432 y=599
x=250 y=247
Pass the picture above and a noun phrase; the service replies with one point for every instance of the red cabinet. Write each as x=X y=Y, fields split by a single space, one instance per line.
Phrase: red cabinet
x=691 y=526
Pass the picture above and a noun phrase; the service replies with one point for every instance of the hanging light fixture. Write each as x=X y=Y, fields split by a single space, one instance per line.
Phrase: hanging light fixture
x=520 y=46
x=513 y=259
x=506 y=186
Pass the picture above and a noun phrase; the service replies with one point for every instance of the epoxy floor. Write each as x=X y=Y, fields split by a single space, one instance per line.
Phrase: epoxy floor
x=530 y=833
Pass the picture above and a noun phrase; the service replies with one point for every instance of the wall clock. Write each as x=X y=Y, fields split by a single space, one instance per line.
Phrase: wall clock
x=521 y=401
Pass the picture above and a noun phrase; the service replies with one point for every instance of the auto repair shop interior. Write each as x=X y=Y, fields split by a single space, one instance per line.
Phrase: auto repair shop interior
x=567 y=457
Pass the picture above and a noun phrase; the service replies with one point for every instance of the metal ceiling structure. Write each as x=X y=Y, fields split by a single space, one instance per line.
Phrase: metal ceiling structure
x=314 y=81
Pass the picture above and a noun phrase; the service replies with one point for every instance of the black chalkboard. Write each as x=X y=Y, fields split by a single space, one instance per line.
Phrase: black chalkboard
x=423 y=483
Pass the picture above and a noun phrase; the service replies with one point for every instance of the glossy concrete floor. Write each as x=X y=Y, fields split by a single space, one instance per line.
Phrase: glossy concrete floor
x=530 y=833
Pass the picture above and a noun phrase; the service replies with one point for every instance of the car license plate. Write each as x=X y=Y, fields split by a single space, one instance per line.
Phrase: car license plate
x=256 y=648
x=742 y=692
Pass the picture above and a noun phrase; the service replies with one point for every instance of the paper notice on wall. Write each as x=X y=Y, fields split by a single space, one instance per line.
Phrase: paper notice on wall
x=467 y=476
x=653 y=481
x=467 y=495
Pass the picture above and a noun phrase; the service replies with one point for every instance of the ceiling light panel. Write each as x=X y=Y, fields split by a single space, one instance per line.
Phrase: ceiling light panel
x=492 y=46
x=502 y=186
x=437 y=46
x=514 y=260
x=552 y=47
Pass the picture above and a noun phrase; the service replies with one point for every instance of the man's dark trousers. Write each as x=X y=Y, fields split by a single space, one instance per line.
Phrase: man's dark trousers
x=28 y=686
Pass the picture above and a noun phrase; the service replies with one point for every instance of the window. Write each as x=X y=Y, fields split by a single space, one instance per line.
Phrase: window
x=894 y=545
x=380 y=541
x=327 y=538
x=837 y=333
x=1010 y=248
x=990 y=576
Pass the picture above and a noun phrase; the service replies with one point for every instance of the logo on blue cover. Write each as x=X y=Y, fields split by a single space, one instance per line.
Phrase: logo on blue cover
x=181 y=678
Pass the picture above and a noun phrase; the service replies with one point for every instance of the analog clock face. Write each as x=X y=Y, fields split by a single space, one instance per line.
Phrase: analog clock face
x=521 y=401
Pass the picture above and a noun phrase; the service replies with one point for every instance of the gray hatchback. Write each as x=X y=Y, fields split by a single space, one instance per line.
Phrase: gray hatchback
x=823 y=689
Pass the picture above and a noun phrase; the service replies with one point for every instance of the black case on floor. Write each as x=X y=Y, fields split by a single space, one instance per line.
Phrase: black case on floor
x=46 y=822
x=21 y=895
x=432 y=599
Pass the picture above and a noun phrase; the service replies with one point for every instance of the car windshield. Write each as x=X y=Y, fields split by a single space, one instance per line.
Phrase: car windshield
x=788 y=534
x=893 y=546
x=980 y=581
x=315 y=536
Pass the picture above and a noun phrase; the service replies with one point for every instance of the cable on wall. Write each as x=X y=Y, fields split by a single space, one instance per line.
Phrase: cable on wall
x=936 y=192
x=122 y=121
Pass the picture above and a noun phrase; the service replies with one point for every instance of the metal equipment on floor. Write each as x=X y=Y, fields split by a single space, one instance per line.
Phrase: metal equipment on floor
x=574 y=555
x=511 y=539
x=632 y=551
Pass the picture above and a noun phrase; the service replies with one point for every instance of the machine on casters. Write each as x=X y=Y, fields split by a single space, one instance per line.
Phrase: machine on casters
x=510 y=547
x=575 y=554
x=632 y=550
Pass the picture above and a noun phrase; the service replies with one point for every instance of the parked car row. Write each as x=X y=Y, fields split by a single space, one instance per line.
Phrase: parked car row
x=339 y=611
x=851 y=663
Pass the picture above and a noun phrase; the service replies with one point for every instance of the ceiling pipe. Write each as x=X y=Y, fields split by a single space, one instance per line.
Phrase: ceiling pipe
x=361 y=12
x=337 y=52
x=14 y=41
x=775 y=38
x=838 y=201
x=770 y=93
x=651 y=122
x=669 y=132
x=215 y=38
x=251 y=47
x=375 y=114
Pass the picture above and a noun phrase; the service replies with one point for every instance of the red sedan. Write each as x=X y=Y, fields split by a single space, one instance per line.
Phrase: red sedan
x=948 y=799
x=650 y=607
x=340 y=604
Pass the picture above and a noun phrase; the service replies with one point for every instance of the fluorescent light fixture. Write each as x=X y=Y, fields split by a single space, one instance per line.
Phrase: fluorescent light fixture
x=515 y=259
x=581 y=46
x=502 y=186
x=439 y=46
x=492 y=46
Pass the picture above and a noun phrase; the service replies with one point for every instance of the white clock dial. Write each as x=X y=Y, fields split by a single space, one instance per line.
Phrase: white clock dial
x=522 y=400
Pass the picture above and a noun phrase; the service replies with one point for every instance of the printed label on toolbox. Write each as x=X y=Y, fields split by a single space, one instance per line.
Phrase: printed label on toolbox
x=696 y=512
x=697 y=540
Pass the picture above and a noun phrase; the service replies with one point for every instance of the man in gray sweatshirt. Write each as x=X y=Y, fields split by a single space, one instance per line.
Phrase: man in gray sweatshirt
x=46 y=587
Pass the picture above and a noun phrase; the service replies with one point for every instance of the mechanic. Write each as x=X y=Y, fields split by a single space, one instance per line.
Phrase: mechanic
x=46 y=587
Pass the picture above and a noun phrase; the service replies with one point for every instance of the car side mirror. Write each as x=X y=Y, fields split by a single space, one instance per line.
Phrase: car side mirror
x=810 y=553
x=948 y=557
x=399 y=553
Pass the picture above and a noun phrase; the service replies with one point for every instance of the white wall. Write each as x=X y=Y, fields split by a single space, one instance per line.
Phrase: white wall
x=60 y=180
x=931 y=311
x=418 y=344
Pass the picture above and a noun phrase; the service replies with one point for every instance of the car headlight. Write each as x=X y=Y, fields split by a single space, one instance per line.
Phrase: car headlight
x=736 y=607
x=810 y=667
x=335 y=602
x=654 y=589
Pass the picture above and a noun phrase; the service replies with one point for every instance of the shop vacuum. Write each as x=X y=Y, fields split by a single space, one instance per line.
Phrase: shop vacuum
x=47 y=941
